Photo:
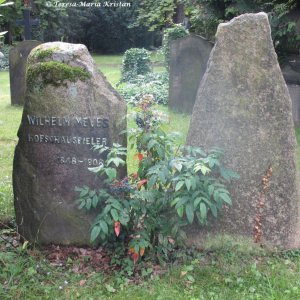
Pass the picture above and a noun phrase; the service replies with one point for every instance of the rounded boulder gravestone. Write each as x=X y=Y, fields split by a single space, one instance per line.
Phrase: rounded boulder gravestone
x=69 y=107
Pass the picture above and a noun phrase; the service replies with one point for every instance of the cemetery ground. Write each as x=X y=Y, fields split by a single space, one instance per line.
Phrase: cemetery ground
x=229 y=270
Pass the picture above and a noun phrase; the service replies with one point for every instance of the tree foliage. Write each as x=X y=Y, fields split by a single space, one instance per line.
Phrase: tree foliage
x=206 y=15
x=102 y=29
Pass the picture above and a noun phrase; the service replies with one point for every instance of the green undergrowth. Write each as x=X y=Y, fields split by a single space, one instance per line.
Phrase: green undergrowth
x=229 y=273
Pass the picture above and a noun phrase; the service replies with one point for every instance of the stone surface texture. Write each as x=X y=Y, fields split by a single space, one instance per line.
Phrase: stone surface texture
x=188 y=61
x=243 y=106
x=53 y=154
x=17 y=69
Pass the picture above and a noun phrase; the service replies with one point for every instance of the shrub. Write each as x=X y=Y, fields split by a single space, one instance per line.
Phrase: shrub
x=171 y=34
x=173 y=187
x=136 y=62
x=156 y=84
x=4 y=62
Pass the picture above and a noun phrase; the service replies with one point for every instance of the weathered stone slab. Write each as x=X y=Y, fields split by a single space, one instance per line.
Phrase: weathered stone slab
x=291 y=73
x=294 y=91
x=188 y=61
x=17 y=69
x=69 y=108
x=243 y=106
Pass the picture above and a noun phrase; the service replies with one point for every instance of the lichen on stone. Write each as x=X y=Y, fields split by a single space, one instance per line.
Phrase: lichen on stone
x=55 y=73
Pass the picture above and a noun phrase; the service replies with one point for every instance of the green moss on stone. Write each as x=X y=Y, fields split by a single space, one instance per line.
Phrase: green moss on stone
x=54 y=72
x=41 y=54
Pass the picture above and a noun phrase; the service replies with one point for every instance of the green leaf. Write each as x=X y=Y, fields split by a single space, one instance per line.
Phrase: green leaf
x=161 y=176
x=225 y=198
x=189 y=211
x=111 y=173
x=175 y=201
x=96 y=169
x=179 y=185
x=124 y=218
x=95 y=201
x=88 y=203
x=116 y=161
x=82 y=204
x=114 y=214
x=116 y=205
x=211 y=189
x=214 y=210
x=104 y=227
x=181 y=202
x=151 y=182
x=196 y=202
x=203 y=211
x=180 y=211
x=106 y=209
x=6 y=4
x=95 y=232
x=151 y=144
x=188 y=183
x=84 y=192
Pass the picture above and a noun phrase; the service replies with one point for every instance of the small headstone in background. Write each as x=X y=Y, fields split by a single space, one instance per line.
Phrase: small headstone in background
x=17 y=69
x=291 y=73
x=243 y=106
x=188 y=61
x=69 y=108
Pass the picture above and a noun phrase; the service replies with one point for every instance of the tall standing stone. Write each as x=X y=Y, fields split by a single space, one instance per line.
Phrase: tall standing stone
x=69 y=108
x=17 y=69
x=188 y=61
x=243 y=107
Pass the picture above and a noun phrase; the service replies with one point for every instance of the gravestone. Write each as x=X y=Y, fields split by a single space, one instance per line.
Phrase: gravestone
x=17 y=69
x=243 y=107
x=294 y=90
x=188 y=60
x=69 y=108
x=291 y=73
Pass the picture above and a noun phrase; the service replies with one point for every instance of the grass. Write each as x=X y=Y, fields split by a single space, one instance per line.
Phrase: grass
x=230 y=272
x=10 y=117
x=110 y=65
x=227 y=274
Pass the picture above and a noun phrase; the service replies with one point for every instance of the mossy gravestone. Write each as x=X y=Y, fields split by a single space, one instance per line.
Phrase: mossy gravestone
x=188 y=61
x=69 y=107
x=17 y=69
x=243 y=106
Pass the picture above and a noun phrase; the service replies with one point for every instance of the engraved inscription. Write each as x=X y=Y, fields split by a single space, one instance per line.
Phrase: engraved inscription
x=75 y=140
x=67 y=121
x=73 y=160
x=55 y=134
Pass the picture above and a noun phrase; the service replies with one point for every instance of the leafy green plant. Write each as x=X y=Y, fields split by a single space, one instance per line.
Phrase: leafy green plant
x=4 y=61
x=170 y=34
x=173 y=187
x=136 y=62
x=2 y=4
x=156 y=84
x=206 y=17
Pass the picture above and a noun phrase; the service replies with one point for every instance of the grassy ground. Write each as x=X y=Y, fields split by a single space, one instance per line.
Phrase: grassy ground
x=229 y=272
x=9 y=123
